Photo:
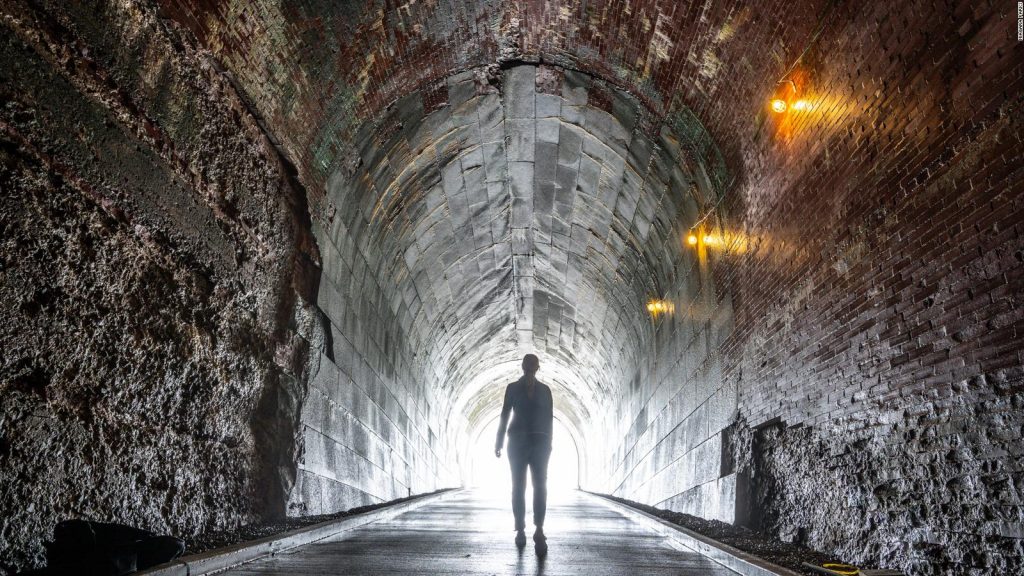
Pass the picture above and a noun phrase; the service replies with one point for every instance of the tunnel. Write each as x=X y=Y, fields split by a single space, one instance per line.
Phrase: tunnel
x=279 y=259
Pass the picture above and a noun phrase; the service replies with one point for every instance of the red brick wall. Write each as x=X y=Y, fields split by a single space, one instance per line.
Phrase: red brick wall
x=880 y=307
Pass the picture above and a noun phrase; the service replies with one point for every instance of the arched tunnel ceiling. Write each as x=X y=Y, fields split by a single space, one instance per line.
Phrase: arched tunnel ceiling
x=511 y=220
x=317 y=72
x=506 y=207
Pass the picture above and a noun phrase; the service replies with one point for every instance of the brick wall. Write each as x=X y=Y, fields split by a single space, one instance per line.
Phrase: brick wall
x=876 y=315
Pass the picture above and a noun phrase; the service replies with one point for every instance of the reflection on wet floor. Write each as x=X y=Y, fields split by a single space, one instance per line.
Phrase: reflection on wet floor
x=471 y=533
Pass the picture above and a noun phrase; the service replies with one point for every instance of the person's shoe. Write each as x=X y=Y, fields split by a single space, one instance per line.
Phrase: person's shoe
x=540 y=542
x=520 y=538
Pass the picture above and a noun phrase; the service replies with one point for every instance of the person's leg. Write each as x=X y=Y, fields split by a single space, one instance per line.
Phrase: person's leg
x=517 y=460
x=540 y=454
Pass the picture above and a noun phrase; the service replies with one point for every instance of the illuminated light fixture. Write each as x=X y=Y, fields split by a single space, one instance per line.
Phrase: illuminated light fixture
x=802 y=105
x=785 y=94
x=658 y=307
x=714 y=240
x=789 y=95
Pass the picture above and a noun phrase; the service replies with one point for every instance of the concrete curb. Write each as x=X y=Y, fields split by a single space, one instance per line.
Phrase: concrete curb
x=229 y=557
x=732 y=558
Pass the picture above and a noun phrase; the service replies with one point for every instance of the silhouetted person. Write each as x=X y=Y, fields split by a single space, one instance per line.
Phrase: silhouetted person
x=529 y=445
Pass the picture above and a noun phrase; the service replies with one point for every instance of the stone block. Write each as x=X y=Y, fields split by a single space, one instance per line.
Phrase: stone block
x=573 y=115
x=461 y=88
x=574 y=87
x=337 y=497
x=308 y=492
x=589 y=176
x=519 y=88
x=547 y=130
x=543 y=201
x=495 y=161
x=471 y=157
x=722 y=407
x=548 y=105
x=546 y=163
x=570 y=145
x=520 y=140
x=451 y=177
x=522 y=212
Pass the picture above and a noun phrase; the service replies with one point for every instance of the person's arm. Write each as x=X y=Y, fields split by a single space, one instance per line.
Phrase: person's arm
x=506 y=409
x=550 y=412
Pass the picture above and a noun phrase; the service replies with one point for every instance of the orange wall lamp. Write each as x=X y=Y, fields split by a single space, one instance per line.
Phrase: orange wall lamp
x=788 y=96
x=656 y=307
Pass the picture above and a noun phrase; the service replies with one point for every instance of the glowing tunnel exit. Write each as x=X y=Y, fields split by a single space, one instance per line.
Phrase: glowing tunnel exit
x=491 y=475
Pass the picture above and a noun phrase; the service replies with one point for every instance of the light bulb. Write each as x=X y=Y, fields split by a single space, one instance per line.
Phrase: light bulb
x=779 y=105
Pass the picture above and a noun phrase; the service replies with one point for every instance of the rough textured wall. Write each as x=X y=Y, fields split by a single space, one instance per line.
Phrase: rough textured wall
x=154 y=254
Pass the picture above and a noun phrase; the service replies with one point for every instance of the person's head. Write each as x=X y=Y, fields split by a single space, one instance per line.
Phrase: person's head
x=530 y=364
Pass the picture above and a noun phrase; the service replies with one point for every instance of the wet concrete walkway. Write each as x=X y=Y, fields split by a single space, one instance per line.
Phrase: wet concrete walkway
x=471 y=533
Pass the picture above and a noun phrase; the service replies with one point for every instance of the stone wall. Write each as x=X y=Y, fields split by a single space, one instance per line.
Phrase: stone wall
x=156 y=269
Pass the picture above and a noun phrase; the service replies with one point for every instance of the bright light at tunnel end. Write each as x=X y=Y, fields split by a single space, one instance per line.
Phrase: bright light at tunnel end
x=490 y=476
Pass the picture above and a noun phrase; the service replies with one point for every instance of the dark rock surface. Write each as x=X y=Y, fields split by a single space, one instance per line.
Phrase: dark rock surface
x=941 y=487
x=153 y=255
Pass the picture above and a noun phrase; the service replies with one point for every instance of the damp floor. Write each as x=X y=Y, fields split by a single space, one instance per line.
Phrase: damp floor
x=471 y=533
